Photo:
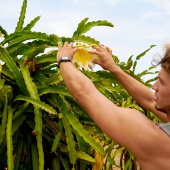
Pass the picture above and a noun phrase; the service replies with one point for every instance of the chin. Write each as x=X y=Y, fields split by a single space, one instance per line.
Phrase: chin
x=162 y=109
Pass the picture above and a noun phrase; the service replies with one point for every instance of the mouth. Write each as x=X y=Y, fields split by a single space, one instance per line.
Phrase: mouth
x=155 y=98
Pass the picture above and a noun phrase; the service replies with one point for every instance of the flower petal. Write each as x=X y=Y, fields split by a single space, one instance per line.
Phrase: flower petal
x=82 y=58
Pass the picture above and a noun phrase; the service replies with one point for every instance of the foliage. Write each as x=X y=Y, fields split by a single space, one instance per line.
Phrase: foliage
x=42 y=126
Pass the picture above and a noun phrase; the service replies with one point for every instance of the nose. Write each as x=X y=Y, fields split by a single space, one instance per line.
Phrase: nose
x=154 y=86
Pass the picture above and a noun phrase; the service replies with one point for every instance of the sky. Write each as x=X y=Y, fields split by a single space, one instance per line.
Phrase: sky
x=138 y=24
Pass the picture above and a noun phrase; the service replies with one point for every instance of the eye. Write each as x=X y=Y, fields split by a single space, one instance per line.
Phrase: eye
x=161 y=81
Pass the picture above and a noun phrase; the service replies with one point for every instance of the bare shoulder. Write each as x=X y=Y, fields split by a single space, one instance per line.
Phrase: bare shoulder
x=156 y=151
x=128 y=127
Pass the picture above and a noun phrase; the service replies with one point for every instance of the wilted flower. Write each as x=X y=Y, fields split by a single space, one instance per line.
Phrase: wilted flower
x=82 y=59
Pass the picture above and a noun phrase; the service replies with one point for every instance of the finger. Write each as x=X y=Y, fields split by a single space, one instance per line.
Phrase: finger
x=101 y=46
x=97 y=48
x=96 y=61
x=70 y=45
x=94 y=52
x=109 y=50
x=65 y=44
x=75 y=50
x=59 y=45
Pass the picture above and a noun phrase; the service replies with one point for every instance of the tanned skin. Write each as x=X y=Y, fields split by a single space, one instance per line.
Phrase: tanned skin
x=128 y=127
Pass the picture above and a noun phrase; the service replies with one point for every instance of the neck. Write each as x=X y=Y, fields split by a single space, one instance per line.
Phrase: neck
x=168 y=115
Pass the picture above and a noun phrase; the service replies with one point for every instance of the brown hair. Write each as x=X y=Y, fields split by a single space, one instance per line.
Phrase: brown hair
x=165 y=60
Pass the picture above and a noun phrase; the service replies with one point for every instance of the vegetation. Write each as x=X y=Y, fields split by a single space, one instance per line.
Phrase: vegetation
x=41 y=125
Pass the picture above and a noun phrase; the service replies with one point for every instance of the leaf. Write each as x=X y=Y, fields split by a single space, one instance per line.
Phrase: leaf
x=130 y=58
x=150 y=80
x=80 y=28
x=31 y=24
x=129 y=64
x=111 y=160
x=41 y=78
x=38 y=131
x=37 y=103
x=25 y=47
x=55 y=163
x=31 y=87
x=82 y=155
x=86 y=136
x=128 y=165
x=152 y=67
x=18 y=154
x=2 y=83
x=107 y=75
x=7 y=73
x=56 y=141
x=18 y=49
x=83 y=27
x=18 y=122
x=143 y=53
x=89 y=25
x=35 y=51
x=54 y=89
x=134 y=66
x=87 y=39
x=22 y=16
x=35 y=164
x=106 y=82
x=21 y=36
x=54 y=79
x=10 y=161
x=48 y=70
x=70 y=141
x=78 y=107
x=49 y=57
x=64 y=162
x=3 y=122
x=28 y=36
x=21 y=110
x=35 y=99
x=117 y=151
x=19 y=117
x=53 y=100
x=143 y=73
x=54 y=39
x=79 y=127
x=4 y=32
x=13 y=69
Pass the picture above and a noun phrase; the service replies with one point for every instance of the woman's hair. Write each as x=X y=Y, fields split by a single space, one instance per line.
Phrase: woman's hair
x=164 y=62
